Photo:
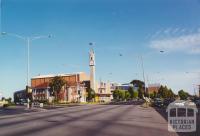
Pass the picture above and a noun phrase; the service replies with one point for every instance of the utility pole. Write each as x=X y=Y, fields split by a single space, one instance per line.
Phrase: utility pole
x=142 y=64
x=27 y=40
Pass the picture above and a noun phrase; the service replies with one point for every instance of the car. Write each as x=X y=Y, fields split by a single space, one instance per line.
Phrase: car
x=158 y=102
x=197 y=102
x=167 y=101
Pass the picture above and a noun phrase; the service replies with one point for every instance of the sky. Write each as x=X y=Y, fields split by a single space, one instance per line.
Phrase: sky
x=123 y=32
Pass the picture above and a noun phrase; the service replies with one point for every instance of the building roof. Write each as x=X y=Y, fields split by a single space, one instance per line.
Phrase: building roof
x=182 y=104
x=20 y=91
x=53 y=75
x=154 y=85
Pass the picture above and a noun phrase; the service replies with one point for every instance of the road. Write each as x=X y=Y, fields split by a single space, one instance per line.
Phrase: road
x=87 y=120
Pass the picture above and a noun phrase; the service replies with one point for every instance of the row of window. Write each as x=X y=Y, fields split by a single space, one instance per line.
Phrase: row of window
x=40 y=98
x=181 y=112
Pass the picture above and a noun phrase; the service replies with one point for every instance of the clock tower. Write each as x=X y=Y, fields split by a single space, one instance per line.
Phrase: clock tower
x=92 y=69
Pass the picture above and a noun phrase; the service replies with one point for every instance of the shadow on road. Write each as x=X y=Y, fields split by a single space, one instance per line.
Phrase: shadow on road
x=126 y=103
x=61 y=123
x=15 y=110
x=163 y=113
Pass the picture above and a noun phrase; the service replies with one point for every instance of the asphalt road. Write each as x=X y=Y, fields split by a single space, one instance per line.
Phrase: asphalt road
x=87 y=120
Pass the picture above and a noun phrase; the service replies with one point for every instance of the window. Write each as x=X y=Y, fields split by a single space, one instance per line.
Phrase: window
x=181 y=112
x=173 y=112
x=190 y=112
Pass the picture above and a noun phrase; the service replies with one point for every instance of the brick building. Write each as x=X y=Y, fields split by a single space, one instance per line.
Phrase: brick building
x=73 y=91
x=153 y=88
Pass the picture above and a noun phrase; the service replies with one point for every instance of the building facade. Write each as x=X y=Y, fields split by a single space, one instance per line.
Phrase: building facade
x=103 y=93
x=73 y=91
x=102 y=89
x=92 y=70
x=153 y=88
x=20 y=97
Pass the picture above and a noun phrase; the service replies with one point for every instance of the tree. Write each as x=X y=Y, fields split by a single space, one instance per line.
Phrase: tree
x=127 y=95
x=140 y=93
x=141 y=87
x=135 y=94
x=171 y=94
x=9 y=100
x=164 y=92
x=116 y=94
x=138 y=83
x=56 y=85
x=183 y=95
x=91 y=94
x=151 y=95
x=3 y=98
x=155 y=94
x=131 y=92
x=122 y=95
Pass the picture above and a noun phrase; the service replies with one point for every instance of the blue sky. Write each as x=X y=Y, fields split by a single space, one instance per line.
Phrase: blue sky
x=132 y=28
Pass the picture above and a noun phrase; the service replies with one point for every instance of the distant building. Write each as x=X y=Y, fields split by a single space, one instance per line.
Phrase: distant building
x=92 y=70
x=73 y=91
x=102 y=89
x=103 y=93
x=153 y=88
x=20 y=97
x=76 y=86
x=124 y=86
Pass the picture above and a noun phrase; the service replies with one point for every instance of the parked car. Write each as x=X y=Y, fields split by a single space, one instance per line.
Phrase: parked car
x=197 y=102
x=167 y=101
x=158 y=102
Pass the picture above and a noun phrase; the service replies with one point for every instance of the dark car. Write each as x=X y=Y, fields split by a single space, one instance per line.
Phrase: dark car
x=167 y=101
x=197 y=102
x=158 y=102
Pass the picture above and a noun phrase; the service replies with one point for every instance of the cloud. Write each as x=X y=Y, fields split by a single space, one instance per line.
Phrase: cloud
x=175 y=30
x=167 y=31
x=177 y=80
x=189 y=43
x=156 y=34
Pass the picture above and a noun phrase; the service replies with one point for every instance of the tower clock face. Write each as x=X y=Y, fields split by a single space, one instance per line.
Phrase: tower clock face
x=92 y=58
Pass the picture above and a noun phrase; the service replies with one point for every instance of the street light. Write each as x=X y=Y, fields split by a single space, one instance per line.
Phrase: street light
x=27 y=40
x=198 y=73
x=142 y=64
x=143 y=72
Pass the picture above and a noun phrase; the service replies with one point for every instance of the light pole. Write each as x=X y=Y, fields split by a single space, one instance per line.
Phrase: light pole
x=198 y=85
x=143 y=72
x=27 y=40
x=142 y=64
x=0 y=15
x=193 y=73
